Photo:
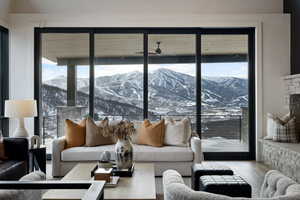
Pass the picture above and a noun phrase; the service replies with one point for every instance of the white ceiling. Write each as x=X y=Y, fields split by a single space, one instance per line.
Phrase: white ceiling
x=147 y=7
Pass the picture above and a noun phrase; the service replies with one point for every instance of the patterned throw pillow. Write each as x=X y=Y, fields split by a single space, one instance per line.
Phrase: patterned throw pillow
x=98 y=133
x=286 y=132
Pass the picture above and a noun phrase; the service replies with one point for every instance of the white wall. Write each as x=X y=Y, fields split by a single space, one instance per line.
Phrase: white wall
x=4 y=10
x=148 y=7
x=272 y=39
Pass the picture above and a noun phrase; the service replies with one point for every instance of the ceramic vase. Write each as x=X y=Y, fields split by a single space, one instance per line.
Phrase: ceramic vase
x=124 y=154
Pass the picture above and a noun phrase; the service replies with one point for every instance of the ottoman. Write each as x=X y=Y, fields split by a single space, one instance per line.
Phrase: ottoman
x=233 y=186
x=203 y=169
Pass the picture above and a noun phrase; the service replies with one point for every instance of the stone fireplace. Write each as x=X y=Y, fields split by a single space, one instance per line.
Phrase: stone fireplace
x=292 y=96
x=292 y=86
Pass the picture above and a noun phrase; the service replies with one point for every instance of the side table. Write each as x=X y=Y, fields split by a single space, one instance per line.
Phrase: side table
x=37 y=159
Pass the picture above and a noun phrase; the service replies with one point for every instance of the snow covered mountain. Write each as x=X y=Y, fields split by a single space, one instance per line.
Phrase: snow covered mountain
x=169 y=92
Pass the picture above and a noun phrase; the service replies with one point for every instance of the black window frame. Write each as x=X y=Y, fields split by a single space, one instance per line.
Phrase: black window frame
x=198 y=32
x=4 y=78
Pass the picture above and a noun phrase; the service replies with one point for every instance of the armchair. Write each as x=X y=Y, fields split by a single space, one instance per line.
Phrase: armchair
x=276 y=186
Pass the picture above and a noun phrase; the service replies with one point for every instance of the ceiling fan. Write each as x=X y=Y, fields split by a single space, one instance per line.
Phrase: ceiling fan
x=156 y=51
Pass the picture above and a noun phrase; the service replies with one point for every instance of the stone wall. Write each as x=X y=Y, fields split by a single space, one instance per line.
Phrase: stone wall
x=292 y=86
x=282 y=157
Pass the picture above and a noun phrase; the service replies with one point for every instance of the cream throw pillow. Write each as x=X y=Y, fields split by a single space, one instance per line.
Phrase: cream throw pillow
x=137 y=125
x=178 y=133
x=98 y=133
x=271 y=127
x=272 y=124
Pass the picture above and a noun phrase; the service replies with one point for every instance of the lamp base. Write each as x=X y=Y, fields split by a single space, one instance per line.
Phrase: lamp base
x=20 y=130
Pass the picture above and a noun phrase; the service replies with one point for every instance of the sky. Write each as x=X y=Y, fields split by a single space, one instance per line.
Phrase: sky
x=51 y=70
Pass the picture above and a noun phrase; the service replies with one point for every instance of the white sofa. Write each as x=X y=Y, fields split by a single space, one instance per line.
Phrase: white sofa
x=167 y=157
x=276 y=186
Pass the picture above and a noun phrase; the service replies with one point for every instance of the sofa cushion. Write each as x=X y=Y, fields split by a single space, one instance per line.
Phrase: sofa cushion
x=140 y=153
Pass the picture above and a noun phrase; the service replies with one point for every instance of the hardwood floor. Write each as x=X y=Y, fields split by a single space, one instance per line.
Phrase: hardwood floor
x=253 y=172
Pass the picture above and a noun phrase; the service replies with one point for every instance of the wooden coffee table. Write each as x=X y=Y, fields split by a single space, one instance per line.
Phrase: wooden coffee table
x=141 y=186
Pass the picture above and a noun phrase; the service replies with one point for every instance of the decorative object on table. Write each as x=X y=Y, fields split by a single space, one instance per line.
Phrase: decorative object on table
x=104 y=161
x=103 y=174
x=117 y=172
x=37 y=159
x=123 y=148
x=35 y=142
x=113 y=181
x=20 y=109
x=123 y=172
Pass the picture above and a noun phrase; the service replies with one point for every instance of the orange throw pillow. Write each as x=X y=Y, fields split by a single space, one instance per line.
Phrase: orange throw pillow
x=152 y=134
x=75 y=133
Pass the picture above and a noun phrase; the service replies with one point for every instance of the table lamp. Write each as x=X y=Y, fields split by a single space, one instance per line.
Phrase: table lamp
x=20 y=109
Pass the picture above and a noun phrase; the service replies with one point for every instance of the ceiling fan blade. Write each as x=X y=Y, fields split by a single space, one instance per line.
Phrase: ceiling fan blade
x=150 y=52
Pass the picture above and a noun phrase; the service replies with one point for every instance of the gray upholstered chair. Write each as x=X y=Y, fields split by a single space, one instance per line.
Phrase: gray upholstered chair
x=276 y=186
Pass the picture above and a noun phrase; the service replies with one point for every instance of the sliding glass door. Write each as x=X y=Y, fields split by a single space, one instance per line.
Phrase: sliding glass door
x=172 y=76
x=119 y=76
x=64 y=82
x=126 y=73
x=4 y=82
x=225 y=93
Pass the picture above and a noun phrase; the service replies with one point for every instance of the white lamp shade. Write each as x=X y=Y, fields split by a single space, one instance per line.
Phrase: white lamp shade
x=20 y=108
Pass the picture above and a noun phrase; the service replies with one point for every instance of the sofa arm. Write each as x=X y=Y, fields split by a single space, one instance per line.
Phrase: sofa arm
x=58 y=145
x=197 y=149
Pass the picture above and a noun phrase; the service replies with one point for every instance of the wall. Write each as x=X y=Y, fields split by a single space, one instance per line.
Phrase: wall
x=272 y=40
x=293 y=7
x=4 y=10
x=146 y=7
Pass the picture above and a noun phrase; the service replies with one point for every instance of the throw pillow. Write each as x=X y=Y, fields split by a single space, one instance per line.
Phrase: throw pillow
x=98 y=133
x=271 y=127
x=286 y=132
x=138 y=126
x=152 y=134
x=177 y=132
x=272 y=123
x=75 y=133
